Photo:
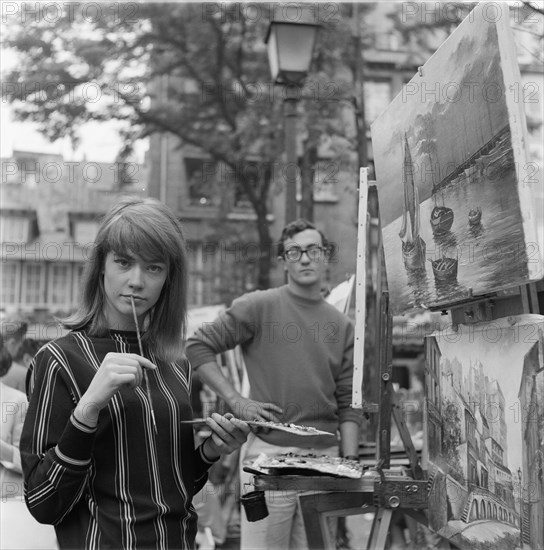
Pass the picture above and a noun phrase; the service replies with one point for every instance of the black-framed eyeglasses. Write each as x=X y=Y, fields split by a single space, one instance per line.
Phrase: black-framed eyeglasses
x=294 y=253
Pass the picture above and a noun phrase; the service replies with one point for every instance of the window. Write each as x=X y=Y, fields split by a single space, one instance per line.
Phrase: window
x=77 y=282
x=472 y=470
x=470 y=427
x=252 y=172
x=377 y=96
x=9 y=282
x=59 y=284
x=193 y=290
x=243 y=276
x=390 y=40
x=85 y=232
x=13 y=229
x=485 y=479
x=325 y=180
x=219 y=272
x=211 y=274
x=29 y=170
x=33 y=284
x=201 y=177
x=203 y=273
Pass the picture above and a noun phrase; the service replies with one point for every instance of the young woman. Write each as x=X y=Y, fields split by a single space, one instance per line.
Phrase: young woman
x=105 y=457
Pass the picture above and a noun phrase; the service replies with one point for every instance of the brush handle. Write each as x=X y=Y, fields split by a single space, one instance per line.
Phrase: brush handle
x=146 y=378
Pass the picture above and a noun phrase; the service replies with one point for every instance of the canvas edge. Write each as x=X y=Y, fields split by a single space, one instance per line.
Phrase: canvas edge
x=520 y=138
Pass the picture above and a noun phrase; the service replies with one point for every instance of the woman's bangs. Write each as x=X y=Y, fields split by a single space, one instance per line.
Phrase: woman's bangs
x=127 y=236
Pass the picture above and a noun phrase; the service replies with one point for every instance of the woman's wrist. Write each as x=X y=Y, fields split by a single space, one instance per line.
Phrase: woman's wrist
x=87 y=414
x=207 y=452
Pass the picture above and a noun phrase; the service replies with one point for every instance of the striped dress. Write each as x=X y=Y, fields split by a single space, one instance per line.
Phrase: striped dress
x=119 y=485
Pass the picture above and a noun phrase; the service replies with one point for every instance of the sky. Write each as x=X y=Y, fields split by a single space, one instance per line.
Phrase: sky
x=99 y=141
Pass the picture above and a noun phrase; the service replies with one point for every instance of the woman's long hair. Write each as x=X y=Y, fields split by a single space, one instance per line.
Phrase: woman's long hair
x=149 y=229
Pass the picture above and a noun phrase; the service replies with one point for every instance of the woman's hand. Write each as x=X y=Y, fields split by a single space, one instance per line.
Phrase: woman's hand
x=118 y=370
x=228 y=435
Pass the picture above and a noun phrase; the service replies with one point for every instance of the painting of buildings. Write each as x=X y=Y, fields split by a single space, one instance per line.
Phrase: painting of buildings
x=532 y=403
x=457 y=199
x=484 y=433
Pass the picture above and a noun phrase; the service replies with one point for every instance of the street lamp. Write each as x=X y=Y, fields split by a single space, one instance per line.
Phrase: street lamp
x=291 y=39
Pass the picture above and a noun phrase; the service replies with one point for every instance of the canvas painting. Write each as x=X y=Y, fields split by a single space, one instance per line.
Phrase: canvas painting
x=458 y=200
x=484 y=433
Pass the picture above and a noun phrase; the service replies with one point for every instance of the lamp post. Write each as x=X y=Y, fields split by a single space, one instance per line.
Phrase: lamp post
x=291 y=39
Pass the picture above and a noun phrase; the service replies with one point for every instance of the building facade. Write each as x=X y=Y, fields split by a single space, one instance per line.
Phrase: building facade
x=48 y=221
x=531 y=401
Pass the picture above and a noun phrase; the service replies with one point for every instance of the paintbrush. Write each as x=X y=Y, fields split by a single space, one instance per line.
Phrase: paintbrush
x=144 y=369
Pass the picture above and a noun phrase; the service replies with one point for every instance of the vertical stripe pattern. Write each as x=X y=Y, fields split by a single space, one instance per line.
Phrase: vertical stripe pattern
x=120 y=485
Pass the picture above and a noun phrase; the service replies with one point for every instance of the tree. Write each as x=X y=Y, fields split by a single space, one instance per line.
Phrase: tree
x=422 y=24
x=534 y=6
x=117 y=61
x=199 y=72
x=212 y=62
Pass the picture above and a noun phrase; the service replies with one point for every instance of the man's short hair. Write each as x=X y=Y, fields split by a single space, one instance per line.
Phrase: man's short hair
x=297 y=226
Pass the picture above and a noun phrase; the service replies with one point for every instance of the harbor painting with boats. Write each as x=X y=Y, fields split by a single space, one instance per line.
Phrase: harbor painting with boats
x=448 y=178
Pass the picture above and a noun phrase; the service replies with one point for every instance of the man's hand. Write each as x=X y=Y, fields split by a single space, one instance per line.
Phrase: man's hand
x=247 y=409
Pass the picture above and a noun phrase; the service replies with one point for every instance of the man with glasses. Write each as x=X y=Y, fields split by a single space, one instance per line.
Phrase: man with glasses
x=298 y=351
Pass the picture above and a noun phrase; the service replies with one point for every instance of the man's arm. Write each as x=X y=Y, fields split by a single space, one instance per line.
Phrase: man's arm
x=211 y=374
x=231 y=328
x=349 y=438
x=350 y=418
x=243 y=408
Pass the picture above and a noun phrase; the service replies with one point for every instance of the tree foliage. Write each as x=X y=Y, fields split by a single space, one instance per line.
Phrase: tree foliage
x=191 y=70
x=427 y=24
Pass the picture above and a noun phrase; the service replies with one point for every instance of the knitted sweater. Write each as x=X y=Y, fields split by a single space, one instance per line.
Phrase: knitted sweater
x=119 y=485
x=298 y=354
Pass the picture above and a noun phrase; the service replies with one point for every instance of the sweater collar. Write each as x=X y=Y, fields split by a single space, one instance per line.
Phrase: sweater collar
x=302 y=299
x=129 y=335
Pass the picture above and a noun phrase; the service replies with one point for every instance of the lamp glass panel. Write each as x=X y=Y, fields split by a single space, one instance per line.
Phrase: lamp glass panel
x=273 y=54
x=295 y=47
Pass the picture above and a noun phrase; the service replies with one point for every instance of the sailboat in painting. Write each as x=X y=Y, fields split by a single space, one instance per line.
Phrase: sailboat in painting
x=445 y=269
x=475 y=216
x=441 y=219
x=413 y=246
x=441 y=215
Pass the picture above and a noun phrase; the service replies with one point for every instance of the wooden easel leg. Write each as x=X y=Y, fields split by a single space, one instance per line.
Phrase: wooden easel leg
x=380 y=529
x=533 y=294
x=316 y=507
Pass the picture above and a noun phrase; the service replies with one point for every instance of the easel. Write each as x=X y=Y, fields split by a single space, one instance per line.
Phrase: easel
x=385 y=490
x=381 y=489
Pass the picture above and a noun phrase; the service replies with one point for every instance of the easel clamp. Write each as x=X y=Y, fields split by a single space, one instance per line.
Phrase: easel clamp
x=401 y=494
